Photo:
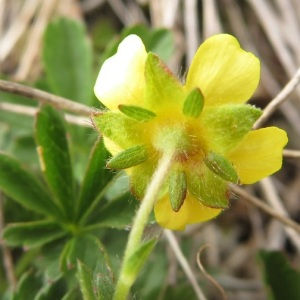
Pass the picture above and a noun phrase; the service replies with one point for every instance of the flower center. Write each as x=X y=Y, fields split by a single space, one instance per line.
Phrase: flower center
x=177 y=137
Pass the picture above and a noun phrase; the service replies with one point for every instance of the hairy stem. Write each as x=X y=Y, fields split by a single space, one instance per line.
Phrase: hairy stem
x=135 y=237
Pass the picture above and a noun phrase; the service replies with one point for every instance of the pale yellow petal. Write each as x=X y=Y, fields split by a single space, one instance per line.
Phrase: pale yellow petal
x=121 y=78
x=192 y=211
x=223 y=71
x=259 y=154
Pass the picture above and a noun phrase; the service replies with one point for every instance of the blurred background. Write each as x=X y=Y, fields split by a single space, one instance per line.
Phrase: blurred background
x=174 y=29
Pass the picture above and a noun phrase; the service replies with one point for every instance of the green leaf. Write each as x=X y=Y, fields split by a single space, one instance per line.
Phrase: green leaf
x=85 y=278
x=118 y=213
x=54 y=157
x=28 y=286
x=282 y=281
x=159 y=41
x=89 y=250
x=137 y=113
x=138 y=259
x=67 y=60
x=128 y=158
x=32 y=234
x=23 y=187
x=96 y=177
x=177 y=189
x=193 y=104
x=226 y=125
x=52 y=290
x=221 y=166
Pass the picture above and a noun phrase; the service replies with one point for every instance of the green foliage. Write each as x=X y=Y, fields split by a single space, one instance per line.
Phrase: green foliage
x=32 y=234
x=281 y=279
x=138 y=258
x=85 y=280
x=72 y=216
x=55 y=158
x=23 y=187
x=68 y=60
x=158 y=41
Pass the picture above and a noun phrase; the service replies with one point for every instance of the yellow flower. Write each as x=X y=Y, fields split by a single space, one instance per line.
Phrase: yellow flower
x=205 y=120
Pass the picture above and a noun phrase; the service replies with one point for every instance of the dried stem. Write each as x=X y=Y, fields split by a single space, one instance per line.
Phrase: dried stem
x=184 y=263
x=266 y=208
x=279 y=99
x=208 y=276
x=273 y=199
x=291 y=153
x=32 y=111
x=57 y=101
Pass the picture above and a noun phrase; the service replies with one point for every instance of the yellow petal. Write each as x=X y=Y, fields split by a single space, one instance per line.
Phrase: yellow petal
x=223 y=71
x=121 y=78
x=259 y=154
x=192 y=211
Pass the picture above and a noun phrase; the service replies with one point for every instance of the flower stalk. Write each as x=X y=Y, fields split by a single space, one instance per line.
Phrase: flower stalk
x=126 y=280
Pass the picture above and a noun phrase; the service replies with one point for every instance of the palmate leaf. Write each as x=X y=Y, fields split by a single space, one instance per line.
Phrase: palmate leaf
x=23 y=187
x=95 y=179
x=28 y=286
x=32 y=234
x=32 y=286
x=117 y=213
x=89 y=250
x=55 y=158
x=67 y=59
x=85 y=278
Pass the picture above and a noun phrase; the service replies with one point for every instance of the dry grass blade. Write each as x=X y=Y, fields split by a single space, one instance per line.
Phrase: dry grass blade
x=57 y=101
x=279 y=99
x=273 y=199
x=184 y=264
x=267 y=209
x=208 y=276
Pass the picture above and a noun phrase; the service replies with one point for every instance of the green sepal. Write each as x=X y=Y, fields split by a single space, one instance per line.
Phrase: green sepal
x=221 y=166
x=137 y=113
x=162 y=87
x=210 y=189
x=124 y=131
x=225 y=126
x=177 y=189
x=193 y=104
x=128 y=158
